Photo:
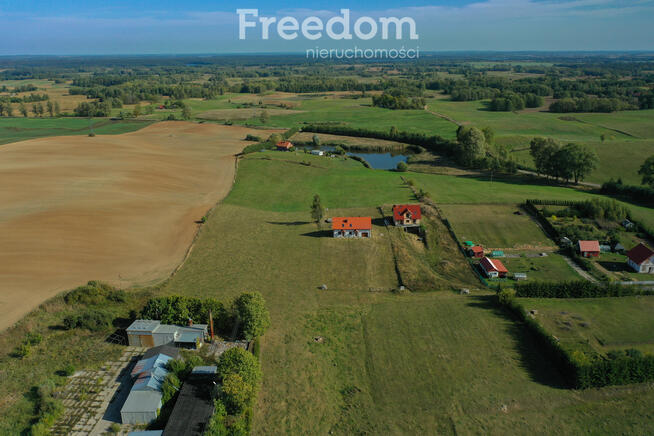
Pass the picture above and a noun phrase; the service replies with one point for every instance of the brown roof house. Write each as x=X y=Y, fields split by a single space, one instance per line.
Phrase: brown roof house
x=641 y=259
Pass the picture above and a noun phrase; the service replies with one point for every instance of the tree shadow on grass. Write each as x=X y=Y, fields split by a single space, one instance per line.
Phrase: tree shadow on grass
x=319 y=234
x=540 y=368
x=288 y=223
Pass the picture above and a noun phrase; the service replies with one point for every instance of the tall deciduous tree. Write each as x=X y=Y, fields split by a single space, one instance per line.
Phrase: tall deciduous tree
x=251 y=312
x=472 y=145
x=647 y=171
x=317 y=211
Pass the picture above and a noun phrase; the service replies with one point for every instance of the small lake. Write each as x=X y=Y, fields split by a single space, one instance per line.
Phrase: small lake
x=377 y=160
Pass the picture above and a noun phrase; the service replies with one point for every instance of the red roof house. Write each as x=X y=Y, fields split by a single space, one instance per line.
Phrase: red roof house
x=284 y=145
x=352 y=227
x=493 y=268
x=588 y=248
x=476 y=251
x=641 y=259
x=407 y=215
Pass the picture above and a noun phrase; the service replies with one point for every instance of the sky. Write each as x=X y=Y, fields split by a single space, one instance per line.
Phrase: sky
x=84 y=27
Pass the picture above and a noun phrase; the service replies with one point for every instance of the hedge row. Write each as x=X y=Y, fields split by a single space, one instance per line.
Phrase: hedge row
x=639 y=194
x=576 y=289
x=431 y=142
x=544 y=222
x=582 y=370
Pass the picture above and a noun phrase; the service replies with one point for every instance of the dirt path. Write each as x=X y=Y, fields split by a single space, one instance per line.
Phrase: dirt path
x=581 y=272
x=443 y=116
x=119 y=208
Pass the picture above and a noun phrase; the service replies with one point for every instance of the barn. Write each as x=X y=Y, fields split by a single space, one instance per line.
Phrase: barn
x=641 y=259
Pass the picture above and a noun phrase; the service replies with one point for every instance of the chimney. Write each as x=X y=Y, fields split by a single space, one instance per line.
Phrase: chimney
x=211 y=324
x=190 y=322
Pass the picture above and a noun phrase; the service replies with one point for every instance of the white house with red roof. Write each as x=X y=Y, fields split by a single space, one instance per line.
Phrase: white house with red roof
x=407 y=215
x=352 y=226
x=588 y=248
x=493 y=268
x=641 y=259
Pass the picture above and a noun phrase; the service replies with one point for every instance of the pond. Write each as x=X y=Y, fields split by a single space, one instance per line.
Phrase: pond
x=377 y=160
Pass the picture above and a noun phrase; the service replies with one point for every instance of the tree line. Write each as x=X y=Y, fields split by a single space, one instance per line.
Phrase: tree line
x=571 y=161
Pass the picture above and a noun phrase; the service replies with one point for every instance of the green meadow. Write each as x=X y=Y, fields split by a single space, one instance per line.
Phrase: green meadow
x=21 y=129
x=358 y=359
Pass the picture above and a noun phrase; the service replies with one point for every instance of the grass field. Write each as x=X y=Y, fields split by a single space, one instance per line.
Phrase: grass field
x=420 y=363
x=21 y=129
x=553 y=267
x=496 y=226
x=601 y=324
x=629 y=134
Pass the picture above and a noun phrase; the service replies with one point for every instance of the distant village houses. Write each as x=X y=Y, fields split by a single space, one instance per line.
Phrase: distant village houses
x=284 y=146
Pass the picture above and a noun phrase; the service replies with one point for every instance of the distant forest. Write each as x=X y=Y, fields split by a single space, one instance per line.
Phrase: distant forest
x=508 y=82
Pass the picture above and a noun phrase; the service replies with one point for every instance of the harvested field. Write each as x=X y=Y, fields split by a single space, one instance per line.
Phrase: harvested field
x=119 y=208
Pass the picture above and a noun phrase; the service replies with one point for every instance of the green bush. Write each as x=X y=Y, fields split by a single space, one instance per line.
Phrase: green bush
x=177 y=309
x=402 y=167
x=239 y=361
x=93 y=320
x=250 y=137
x=251 y=312
x=94 y=292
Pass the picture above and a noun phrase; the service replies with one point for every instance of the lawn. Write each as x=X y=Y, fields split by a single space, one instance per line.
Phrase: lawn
x=278 y=181
x=552 y=267
x=21 y=129
x=602 y=324
x=496 y=226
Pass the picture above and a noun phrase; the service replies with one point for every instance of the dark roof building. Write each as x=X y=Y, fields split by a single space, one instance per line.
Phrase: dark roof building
x=194 y=405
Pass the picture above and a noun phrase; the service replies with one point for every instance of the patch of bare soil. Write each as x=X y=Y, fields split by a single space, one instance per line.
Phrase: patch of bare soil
x=119 y=208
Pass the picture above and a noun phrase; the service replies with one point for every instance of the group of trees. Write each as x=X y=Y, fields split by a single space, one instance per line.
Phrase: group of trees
x=390 y=101
x=93 y=109
x=38 y=109
x=511 y=101
x=591 y=104
x=568 y=162
x=248 y=312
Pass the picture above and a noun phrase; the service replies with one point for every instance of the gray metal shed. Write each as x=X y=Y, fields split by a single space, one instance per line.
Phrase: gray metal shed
x=141 y=407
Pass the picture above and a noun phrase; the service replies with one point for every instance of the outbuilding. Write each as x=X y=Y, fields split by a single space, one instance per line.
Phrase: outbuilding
x=588 y=248
x=476 y=251
x=493 y=268
x=317 y=152
x=151 y=333
x=284 y=146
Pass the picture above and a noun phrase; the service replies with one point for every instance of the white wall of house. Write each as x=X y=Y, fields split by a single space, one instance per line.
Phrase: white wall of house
x=352 y=233
x=645 y=267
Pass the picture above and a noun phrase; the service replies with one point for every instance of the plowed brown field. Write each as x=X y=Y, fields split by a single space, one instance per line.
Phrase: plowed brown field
x=120 y=208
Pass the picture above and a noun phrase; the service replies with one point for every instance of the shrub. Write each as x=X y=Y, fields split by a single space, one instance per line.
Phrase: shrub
x=93 y=320
x=239 y=361
x=94 y=292
x=68 y=370
x=169 y=387
x=250 y=137
x=402 y=167
x=251 y=312
x=236 y=394
x=176 y=309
